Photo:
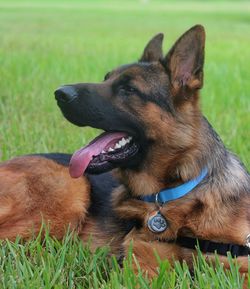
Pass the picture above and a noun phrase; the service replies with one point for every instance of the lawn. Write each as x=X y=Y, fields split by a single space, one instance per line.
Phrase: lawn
x=44 y=44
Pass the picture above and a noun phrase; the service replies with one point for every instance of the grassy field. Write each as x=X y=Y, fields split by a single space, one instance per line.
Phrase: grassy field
x=44 y=44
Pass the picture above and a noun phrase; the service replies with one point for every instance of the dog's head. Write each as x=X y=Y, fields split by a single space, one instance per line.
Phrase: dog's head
x=148 y=109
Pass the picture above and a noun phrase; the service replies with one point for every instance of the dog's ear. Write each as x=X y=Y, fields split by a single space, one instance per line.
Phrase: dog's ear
x=185 y=60
x=153 y=50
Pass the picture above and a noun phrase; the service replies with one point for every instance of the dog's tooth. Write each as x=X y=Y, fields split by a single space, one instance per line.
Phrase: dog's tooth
x=117 y=146
x=111 y=150
x=123 y=141
x=103 y=152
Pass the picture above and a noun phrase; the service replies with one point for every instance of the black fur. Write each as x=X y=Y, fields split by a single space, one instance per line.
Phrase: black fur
x=60 y=158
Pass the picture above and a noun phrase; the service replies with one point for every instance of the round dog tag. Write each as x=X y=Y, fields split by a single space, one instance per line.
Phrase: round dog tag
x=157 y=223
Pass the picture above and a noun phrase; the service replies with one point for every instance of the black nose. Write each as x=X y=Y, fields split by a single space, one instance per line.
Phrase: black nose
x=66 y=93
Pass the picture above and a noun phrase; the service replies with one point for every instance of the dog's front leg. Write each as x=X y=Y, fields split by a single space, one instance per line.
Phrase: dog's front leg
x=147 y=254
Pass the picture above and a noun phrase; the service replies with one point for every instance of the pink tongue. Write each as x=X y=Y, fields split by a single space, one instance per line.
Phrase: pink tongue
x=81 y=158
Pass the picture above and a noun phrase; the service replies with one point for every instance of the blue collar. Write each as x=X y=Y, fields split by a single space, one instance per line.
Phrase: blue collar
x=172 y=194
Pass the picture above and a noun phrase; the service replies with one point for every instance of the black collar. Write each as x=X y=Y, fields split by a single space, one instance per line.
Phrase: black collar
x=211 y=247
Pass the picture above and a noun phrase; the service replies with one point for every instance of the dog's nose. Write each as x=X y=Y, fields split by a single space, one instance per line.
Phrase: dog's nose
x=66 y=93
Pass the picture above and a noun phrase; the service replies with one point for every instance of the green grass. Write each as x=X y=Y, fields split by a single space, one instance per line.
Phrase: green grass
x=47 y=43
x=48 y=263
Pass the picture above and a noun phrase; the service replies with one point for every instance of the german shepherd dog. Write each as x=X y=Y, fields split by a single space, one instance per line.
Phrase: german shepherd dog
x=173 y=183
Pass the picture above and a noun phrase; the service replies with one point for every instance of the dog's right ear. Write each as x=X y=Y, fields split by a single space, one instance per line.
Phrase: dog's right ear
x=185 y=60
x=153 y=50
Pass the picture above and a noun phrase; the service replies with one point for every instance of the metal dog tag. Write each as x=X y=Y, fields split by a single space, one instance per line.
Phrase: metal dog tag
x=157 y=223
x=248 y=241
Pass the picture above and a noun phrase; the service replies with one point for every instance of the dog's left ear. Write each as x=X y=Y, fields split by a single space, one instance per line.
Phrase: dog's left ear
x=185 y=60
x=153 y=50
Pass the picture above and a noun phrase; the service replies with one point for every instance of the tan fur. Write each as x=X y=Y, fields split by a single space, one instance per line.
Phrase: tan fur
x=34 y=189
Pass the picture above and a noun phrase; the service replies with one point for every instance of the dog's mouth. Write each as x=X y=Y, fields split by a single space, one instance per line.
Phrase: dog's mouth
x=105 y=152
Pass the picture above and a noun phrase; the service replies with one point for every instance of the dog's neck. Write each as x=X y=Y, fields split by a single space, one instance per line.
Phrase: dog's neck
x=209 y=153
x=171 y=194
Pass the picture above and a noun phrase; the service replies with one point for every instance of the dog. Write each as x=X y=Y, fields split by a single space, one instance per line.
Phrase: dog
x=158 y=176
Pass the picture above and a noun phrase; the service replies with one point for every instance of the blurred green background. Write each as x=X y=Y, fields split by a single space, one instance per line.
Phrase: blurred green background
x=44 y=44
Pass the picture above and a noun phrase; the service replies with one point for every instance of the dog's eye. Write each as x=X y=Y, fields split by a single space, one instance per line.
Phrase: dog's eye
x=126 y=90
